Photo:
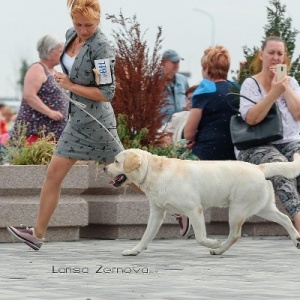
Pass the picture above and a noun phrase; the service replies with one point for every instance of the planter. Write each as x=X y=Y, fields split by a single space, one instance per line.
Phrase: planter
x=19 y=201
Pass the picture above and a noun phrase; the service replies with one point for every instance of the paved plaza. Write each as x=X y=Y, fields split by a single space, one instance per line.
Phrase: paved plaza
x=254 y=268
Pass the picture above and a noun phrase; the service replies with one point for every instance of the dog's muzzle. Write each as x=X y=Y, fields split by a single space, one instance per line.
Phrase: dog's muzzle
x=118 y=180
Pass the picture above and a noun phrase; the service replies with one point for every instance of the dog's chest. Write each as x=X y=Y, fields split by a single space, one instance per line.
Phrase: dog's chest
x=158 y=199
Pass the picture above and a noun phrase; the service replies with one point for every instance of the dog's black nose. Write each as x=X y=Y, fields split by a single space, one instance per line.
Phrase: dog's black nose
x=104 y=169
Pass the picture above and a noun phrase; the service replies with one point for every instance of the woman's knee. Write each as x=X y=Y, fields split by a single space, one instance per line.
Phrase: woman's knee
x=54 y=174
x=262 y=154
x=58 y=169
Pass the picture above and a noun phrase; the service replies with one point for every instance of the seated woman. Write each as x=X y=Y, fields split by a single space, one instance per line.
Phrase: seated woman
x=286 y=94
x=207 y=128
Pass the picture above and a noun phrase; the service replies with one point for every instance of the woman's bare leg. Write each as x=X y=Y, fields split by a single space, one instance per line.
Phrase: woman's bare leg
x=57 y=170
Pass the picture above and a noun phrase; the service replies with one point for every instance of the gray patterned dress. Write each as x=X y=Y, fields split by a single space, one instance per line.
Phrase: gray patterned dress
x=84 y=138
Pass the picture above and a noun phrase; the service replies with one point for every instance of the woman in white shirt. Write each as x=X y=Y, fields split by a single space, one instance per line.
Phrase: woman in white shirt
x=266 y=90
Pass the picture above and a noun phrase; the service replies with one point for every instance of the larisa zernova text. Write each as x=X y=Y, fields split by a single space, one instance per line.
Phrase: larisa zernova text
x=100 y=269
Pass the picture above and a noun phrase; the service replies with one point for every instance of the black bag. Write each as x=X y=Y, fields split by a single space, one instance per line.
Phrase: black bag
x=245 y=136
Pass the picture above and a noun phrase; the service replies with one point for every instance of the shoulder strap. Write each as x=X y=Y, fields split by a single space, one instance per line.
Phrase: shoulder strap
x=259 y=89
x=45 y=69
x=241 y=96
x=237 y=95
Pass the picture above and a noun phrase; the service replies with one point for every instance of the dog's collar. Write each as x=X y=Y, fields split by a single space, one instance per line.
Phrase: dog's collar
x=145 y=175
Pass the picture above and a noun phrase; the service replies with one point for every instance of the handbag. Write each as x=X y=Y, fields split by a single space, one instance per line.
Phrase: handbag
x=245 y=136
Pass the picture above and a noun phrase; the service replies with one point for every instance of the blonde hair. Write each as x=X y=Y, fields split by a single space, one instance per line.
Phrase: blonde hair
x=217 y=62
x=256 y=64
x=90 y=9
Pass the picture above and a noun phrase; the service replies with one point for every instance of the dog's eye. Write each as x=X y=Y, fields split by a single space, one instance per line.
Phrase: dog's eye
x=116 y=161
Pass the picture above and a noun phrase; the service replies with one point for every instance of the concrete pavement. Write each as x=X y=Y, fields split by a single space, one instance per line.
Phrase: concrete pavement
x=254 y=268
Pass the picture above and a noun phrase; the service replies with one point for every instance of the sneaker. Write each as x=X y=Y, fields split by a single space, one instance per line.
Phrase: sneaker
x=26 y=235
x=184 y=224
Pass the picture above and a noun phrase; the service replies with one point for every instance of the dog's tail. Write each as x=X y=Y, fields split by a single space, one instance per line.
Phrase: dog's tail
x=285 y=169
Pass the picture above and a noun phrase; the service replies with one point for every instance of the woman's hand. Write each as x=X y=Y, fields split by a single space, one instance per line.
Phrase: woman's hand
x=190 y=144
x=90 y=92
x=55 y=115
x=279 y=87
x=63 y=80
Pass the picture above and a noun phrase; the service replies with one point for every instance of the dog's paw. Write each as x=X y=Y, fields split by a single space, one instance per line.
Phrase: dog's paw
x=297 y=243
x=131 y=252
x=215 y=251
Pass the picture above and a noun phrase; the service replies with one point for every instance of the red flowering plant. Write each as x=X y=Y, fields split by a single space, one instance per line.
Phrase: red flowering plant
x=140 y=87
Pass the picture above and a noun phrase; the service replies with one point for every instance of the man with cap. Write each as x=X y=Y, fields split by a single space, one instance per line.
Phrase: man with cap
x=176 y=86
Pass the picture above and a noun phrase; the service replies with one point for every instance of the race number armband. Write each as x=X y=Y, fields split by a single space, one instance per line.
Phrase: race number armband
x=103 y=72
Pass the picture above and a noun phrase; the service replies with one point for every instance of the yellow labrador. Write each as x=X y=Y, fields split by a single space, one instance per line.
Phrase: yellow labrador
x=189 y=187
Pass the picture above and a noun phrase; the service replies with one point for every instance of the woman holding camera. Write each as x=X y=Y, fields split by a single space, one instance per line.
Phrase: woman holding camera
x=266 y=90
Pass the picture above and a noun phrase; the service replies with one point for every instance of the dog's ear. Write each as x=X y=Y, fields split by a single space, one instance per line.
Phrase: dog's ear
x=132 y=162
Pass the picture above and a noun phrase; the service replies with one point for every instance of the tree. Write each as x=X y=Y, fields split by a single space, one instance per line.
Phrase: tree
x=278 y=25
x=23 y=69
x=140 y=87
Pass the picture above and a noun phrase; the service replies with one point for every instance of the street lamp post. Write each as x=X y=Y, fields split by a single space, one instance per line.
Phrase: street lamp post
x=212 y=23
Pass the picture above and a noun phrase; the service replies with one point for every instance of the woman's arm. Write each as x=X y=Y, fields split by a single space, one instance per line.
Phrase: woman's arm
x=259 y=111
x=256 y=113
x=292 y=98
x=191 y=126
x=89 y=92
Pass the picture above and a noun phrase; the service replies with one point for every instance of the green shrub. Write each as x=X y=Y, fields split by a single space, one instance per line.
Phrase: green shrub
x=19 y=152
x=133 y=139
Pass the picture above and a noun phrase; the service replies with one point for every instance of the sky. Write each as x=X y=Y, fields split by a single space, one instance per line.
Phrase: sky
x=188 y=27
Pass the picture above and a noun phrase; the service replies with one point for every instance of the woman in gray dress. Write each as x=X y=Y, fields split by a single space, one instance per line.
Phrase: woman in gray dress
x=88 y=65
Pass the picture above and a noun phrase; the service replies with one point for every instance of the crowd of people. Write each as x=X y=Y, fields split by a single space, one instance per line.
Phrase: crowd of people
x=196 y=119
